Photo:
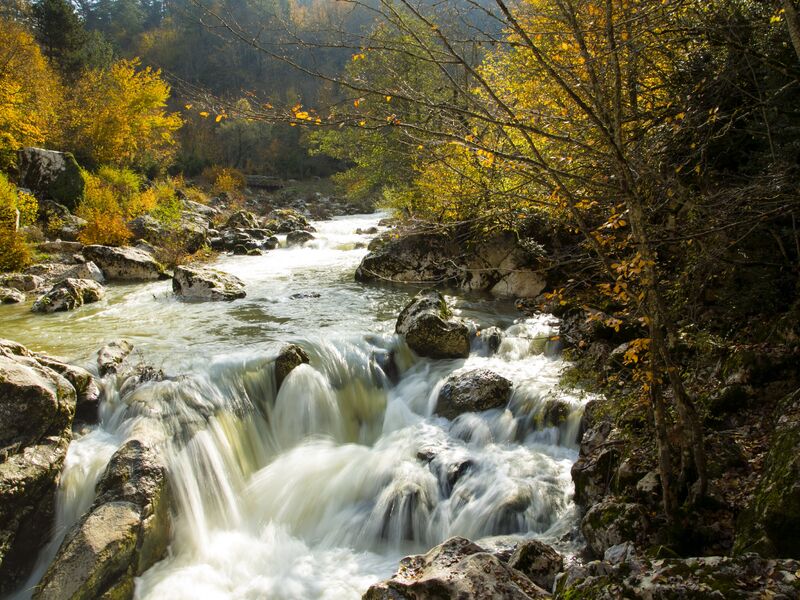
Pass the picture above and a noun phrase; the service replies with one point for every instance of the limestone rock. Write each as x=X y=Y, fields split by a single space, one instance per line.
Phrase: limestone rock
x=86 y=389
x=11 y=296
x=430 y=330
x=286 y=220
x=59 y=221
x=242 y=219
x=748 y=577
x=202 y=283
x=87 y=270
x=612 y=522
x=290 y=357
x=36 y=411
x=598 y=458
x=298 y=238
x=126 y=531
x=111 y=356
x=458 y=569
x=473 y=391
x=502 y=263
x=69 y=295
x=538 y=561
x=51 y=174
x=125 y=264
x=24 y=282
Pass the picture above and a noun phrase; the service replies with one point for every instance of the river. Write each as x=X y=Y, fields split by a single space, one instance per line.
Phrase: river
x=315 y=491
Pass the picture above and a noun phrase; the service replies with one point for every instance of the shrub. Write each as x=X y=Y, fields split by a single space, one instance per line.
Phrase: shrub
x=14 y=252
x=225 y=179
x=103 y=206
x=168 y=207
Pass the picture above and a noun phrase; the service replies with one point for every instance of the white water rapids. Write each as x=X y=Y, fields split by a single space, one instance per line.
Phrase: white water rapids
x=315 y=491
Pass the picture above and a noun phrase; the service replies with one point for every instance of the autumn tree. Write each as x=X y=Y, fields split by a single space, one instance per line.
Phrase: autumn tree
x=30 y=93
x=118 y=116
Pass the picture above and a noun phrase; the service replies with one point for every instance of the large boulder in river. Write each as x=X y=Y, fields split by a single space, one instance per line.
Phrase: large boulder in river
x=459 y=569
x=538 y=561
x=202 y=283
x=502 y=263
x=36 y=411
x=51 y=174
x=473 y=391
x=430 y=330
x=286 y=220
x=126 y=531
x=69 y=295
x=242 y=219
x=125 y=264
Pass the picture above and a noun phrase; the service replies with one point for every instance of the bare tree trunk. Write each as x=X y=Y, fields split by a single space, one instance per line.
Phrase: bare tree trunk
x=793 y=23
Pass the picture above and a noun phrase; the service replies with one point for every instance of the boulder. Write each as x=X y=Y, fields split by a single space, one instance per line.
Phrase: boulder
x=36 y=411
x=286 y=220
x=612 y=522
x=87 y=392
x=242 y=219
x=69 y=295
x=59 y=247
x=112 y=356
x=51 y=174
x=125 y=264
x=11 y=296
x=58 y=221
x=770 y=524
x=24 y=282
x=473 y=391
x=298 y=238
x=749 y=577
x=126 y=531
x=203 y=283
x=288 y=358
x=429 y=329
x=502 y=263
x=458 y=569
x=190 y=232
x=538 y=561
x=598 y=458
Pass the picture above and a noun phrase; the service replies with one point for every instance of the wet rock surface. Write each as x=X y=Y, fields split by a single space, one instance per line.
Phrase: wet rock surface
x=430 y=329
x=112 y=356
x=473 y=391
x=203 y=283
x=11 y=296
x=37 y=406
x=459 y=569
x=288 y=359
x=126 y=531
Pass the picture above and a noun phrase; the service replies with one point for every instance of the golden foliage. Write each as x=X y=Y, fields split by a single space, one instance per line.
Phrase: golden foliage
x=30 y=93
x=118 y=116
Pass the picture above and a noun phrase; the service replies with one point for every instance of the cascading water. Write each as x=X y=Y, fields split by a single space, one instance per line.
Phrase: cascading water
x=317 y=489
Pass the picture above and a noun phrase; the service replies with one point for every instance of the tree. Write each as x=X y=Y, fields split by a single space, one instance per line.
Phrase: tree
x=118 y=116
x=60 y=33
x=30 y=93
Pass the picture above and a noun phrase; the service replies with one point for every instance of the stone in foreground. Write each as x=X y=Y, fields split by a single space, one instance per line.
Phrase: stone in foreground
x=69 y=295
x=473 y=391
x=125 y=264
x=538 y=561
x=202 y=283
x=36 y=414
x=430 y=330
x=126 y=531
x=458 y=569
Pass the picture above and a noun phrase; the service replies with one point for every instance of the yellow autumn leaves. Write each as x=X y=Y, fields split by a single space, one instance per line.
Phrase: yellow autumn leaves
x=111 y=116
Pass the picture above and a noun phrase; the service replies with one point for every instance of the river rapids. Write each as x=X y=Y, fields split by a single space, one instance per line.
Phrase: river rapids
x=317 y=490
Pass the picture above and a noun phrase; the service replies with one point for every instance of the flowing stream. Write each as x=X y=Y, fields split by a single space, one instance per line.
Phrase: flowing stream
x=315 y=491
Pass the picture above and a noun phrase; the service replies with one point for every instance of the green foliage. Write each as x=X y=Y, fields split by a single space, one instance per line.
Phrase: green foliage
x=168 y=207
x=14 y=252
